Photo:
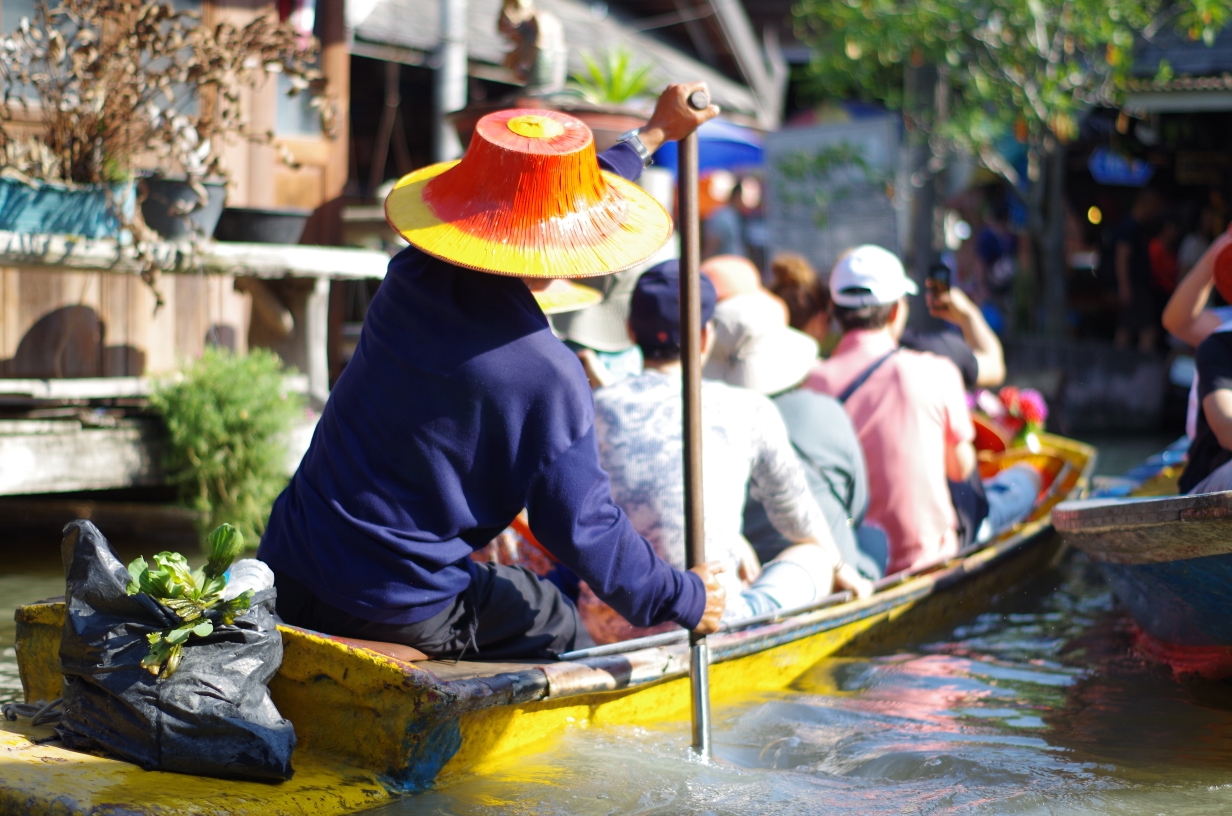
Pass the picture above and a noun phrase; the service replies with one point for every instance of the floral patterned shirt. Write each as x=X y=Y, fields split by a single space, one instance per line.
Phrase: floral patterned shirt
x=744 y=445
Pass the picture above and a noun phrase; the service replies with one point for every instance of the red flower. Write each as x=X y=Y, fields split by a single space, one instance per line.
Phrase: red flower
x=1033 y=407
x=1009 y=398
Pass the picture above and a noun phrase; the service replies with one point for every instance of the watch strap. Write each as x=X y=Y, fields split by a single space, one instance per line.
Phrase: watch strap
x=634 y=140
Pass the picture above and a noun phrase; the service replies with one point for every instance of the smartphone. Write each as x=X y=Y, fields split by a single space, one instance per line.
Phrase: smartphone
x=938 y=280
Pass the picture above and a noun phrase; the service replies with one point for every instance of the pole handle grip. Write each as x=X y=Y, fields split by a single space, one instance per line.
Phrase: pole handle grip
x=699 y=100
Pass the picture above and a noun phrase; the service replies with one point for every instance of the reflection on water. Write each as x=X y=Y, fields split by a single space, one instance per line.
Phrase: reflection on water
x=1036 y=707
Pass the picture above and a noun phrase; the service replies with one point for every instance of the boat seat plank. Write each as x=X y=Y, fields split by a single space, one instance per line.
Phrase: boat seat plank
x=398 y=651
x=475 y=669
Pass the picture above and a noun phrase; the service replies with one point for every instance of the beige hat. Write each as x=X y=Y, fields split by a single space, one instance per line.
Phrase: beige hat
x=754 y=348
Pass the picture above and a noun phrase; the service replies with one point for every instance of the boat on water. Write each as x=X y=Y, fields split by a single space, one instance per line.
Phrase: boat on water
x=373 y=723
x=1168 y=559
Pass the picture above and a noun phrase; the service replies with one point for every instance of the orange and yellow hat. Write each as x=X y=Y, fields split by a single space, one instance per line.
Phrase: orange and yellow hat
x=529 y=199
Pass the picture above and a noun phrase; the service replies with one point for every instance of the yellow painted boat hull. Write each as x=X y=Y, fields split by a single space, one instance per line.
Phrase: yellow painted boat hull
x=371 y=726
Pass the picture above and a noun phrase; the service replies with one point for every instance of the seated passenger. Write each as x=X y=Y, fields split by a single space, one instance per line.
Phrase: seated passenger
x=460 y=409
x=755 y=349
x=974 y=348
x=638 y=424
x=911 y=415
x=1191 y=321
x=1209 y=466
x=796 y=283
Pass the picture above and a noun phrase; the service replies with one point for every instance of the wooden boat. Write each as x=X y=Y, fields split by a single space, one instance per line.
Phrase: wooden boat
x=372 y=725
x=1168 y=559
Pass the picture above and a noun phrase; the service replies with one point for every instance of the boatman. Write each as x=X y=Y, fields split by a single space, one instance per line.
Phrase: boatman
x=460 y=408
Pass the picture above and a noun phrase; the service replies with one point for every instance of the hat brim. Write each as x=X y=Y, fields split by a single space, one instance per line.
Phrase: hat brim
x=644 y=228
x=773 y=364
x=884 y=298
x=566 y=296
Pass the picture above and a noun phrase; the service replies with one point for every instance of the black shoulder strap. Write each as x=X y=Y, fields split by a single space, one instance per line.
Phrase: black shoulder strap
x=864 y=375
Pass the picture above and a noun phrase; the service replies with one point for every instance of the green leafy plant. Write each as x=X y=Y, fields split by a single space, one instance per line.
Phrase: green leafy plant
x=614 y=78
x=1027 y=68
x=195 y=596
x=227 y=419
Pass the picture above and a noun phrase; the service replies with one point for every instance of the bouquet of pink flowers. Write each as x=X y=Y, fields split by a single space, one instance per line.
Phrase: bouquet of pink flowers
x=1025 y=405
x=1021 y=411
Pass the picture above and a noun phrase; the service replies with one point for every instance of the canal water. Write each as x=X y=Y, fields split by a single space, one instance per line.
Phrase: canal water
x=1036 y=706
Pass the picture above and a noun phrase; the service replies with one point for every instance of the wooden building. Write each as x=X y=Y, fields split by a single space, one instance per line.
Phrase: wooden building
x=75 y=321
x=78 y=327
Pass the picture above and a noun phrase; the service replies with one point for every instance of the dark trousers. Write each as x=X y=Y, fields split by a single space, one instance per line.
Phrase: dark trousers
x=507 y=613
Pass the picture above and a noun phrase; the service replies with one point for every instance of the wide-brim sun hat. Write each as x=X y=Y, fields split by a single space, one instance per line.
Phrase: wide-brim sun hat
x=528 y=199
x=754 y=347
x=869 y=276
x=605 y=327
x=563 y=296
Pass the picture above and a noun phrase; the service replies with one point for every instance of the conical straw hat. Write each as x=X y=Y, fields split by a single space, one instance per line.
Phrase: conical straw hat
x=528 y=199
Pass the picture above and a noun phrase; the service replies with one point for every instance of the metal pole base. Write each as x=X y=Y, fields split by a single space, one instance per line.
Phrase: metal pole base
x=699 y=680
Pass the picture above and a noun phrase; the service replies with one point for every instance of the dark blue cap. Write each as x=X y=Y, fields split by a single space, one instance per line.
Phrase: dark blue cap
x=654 y=314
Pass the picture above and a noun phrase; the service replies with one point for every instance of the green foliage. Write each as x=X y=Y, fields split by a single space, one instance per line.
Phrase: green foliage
x=227 y=418
x=195 y=596
x=614 y=78
x=1203 y=19
x=1024 y=67
x=827 y=177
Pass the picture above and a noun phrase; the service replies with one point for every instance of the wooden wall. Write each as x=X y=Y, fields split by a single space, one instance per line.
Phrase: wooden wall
x=102 y=324
x=259 y=177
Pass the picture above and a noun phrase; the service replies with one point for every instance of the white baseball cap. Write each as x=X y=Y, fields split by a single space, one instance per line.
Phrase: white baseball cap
x=869 y=276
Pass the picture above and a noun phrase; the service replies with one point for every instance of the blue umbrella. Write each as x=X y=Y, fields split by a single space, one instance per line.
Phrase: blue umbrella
x=723 y=146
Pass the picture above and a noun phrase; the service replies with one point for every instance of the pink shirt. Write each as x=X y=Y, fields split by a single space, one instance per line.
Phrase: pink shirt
x=906 y=414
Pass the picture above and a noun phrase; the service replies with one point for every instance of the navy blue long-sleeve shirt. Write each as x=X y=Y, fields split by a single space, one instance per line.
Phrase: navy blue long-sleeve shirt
x=458 y=409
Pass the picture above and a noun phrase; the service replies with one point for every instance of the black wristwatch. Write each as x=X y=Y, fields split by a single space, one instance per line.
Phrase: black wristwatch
x=634 y=140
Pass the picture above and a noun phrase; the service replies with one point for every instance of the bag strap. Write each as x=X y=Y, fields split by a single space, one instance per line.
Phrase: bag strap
x=864 y=375
x=844 y=502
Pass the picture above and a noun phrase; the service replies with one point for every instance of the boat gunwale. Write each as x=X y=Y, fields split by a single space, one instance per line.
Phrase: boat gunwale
x=1103 y=515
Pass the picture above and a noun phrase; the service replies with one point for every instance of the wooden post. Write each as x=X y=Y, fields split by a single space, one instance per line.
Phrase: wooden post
x=336 y=66
x=325 y=227
x=451 y=73
x=316 y=332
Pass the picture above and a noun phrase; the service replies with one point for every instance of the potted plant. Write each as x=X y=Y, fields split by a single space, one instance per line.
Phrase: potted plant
x=95 y=90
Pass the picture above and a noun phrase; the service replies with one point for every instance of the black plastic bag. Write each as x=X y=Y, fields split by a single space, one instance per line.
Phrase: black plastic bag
x=212 y=717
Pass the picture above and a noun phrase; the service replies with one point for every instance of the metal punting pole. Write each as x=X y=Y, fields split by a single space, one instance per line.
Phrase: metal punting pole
x=690 y=354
